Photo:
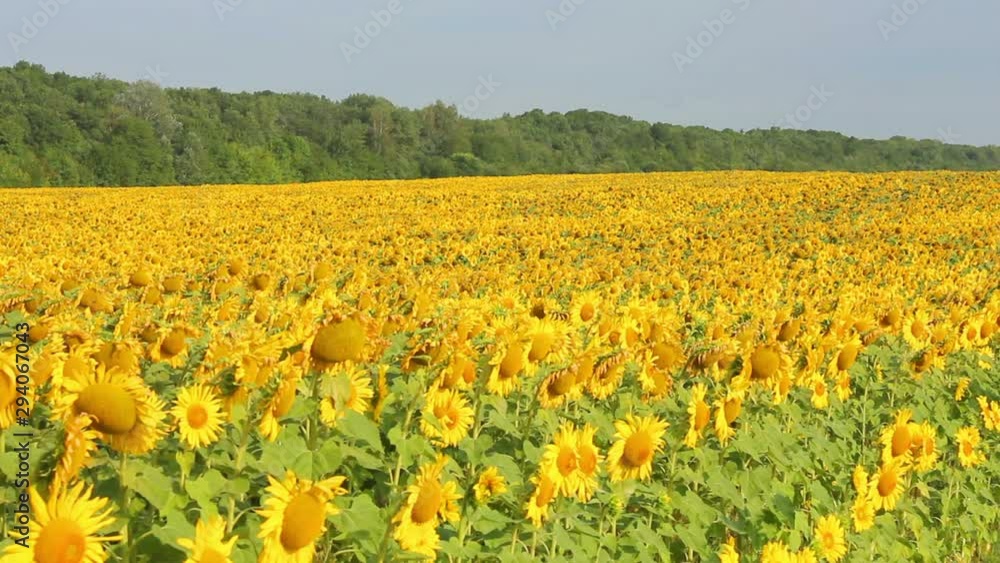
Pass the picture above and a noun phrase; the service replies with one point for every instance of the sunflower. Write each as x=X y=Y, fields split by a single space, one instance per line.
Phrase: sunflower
x=509 y=360
x=699 y=415
x=638 y=440
x=585 y=307
x=727 y=409
x=9 y=388
x=860 y=480
x=830 y=537
x=428 y=502
x=295 y=517
x=490 y=484
x=537 y=507
x=561 y=460
x=199 y=416
x=820 y=392
x=79 y=443
x=209 y=544
x=351 y=391
x=171 y=346
x=65 y=528
x=343 y=339
x=589 y=462
x=962 y=387
x=776 y=552
x=447 y=417
x=546 y=338
x=845 y=357
x=128 y=415
x=805 y=555
x=923 y=447
x=559 y=386
x=607 y=376
x=968 y=439
x=991 y=413
x=917 y=329
x=886 y=486
x=655 y=381
x=863 y=513
x=728 y=552
x=277 y=407
x=897 y=439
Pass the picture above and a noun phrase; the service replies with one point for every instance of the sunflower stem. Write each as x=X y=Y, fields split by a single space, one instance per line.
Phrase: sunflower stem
x=125 y=501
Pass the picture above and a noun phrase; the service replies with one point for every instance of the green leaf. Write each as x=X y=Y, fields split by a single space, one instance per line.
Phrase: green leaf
x=357 y=426
x=205 y=490
x=486 y=520
x=151 y=483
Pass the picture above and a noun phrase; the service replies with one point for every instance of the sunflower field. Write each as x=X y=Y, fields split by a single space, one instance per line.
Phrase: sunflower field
x=718 y=366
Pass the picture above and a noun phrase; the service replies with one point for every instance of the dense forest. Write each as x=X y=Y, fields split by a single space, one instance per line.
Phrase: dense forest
x=60 y=130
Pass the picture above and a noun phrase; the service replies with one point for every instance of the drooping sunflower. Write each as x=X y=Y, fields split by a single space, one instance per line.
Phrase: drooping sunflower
x=277 y=407
x=537 y=507
x=128 y=415
x=447 y=417
x=886 y=486
x=171 y=345
x=897 y=439
x=968 y=439
x=295 y=515
x=844 y=356
x=79 y=443
x=638 y=441
x=199 y=415
x=607 y=376
x=508 y=362
x=991 y=413
x=343 y=339
x=727 y=409
x=66 y=527
x=209 y=544
x=546 y=337
x=561 y=460
x=829 y=533
x=9 y=389
x=352 y=390
x=699 y=415
x=428 y=503
x=490 y=484
x=559 y=387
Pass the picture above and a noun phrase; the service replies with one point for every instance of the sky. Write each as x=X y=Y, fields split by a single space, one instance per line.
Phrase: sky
x=926 y=69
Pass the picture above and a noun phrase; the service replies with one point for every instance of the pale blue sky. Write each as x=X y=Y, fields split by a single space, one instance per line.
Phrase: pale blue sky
x=937 y=75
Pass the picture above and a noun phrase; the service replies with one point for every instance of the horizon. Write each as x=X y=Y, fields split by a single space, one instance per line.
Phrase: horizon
x=909 y=68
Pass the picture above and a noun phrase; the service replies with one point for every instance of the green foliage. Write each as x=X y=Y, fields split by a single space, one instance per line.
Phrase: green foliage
x=58 y=130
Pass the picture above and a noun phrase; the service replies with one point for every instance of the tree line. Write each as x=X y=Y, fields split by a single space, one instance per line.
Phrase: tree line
x=61 y=130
